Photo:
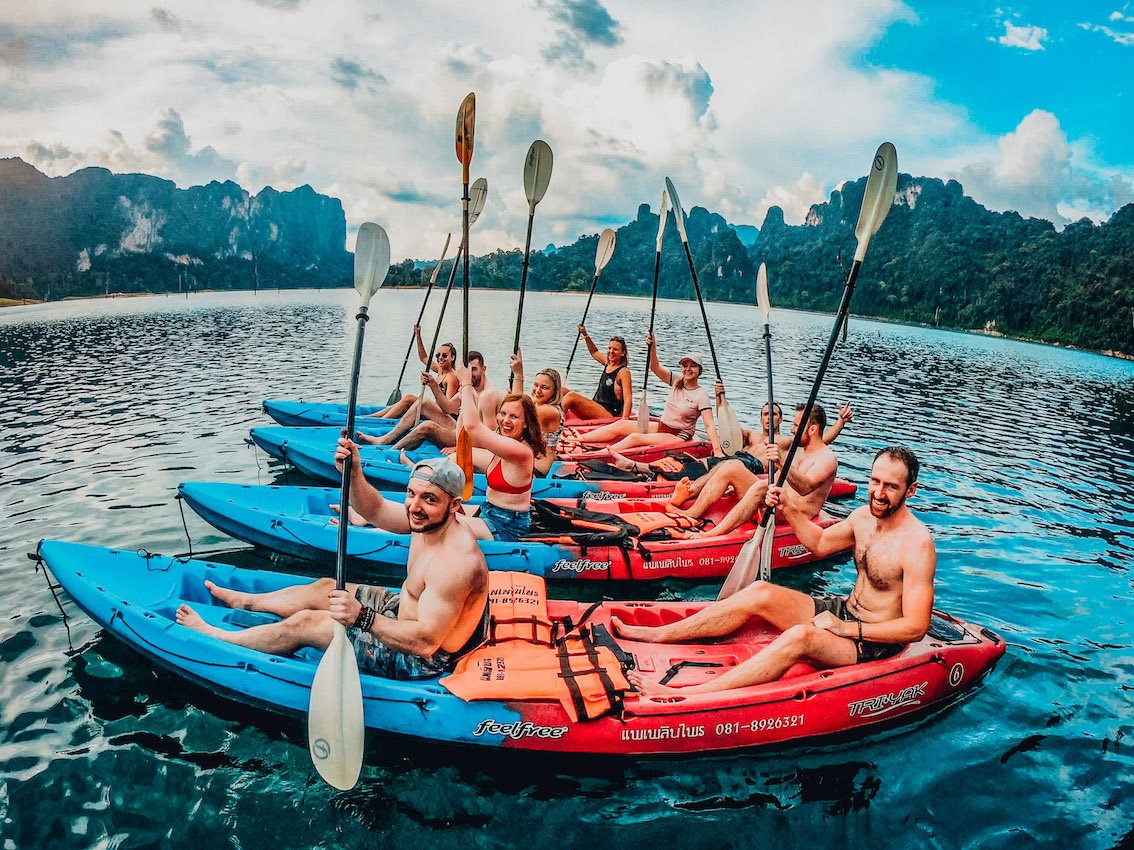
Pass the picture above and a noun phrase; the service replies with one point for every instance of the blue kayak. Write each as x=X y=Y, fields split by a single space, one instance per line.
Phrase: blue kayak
x=307 y=413
x=273 y=438
x=312 y=452
x=135 y=596
x=297 y=521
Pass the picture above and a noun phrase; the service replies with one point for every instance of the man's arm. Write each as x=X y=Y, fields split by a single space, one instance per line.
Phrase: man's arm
x=820 y=541
x=365 y=498
x=846 y=416
x=816 y=476
x=917 y=597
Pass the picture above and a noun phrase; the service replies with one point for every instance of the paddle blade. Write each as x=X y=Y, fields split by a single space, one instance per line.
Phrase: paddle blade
x=661 y=218
x=466 y=127
x=746 y=567
x=537 y=172
x=644 y=413
x=766 y=547
x=335 y=726
x=762 y=292
x=477 y=194
x=728 y=428
x=465 y=460
x=395 y=396
x=437 y=268
x=605 y=250
x=675 y=202
x=371 y=260
x=878 y=197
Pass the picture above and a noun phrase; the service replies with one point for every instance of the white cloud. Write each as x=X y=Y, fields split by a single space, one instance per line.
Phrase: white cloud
x=1025 y=37
x=1037 y=173
x=795 y=199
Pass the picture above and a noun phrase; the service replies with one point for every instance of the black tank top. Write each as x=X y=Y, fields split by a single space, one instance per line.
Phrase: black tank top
x=605 y=396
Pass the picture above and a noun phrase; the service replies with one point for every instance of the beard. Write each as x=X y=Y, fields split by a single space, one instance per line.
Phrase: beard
x=423 y=525
x=879 y=512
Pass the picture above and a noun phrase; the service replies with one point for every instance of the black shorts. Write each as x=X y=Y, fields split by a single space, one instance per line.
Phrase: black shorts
x=867 y=650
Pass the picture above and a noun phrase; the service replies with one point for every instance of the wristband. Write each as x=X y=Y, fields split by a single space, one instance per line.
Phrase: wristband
x=365 y=619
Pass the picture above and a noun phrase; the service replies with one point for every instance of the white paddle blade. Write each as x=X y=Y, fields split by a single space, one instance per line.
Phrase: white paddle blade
x=335 y=727
x=675 y=202
x=371 y=260
x=746 y=567
x=728 y=428
x=878 y=197
x=537 y=172
x=605 y=250
x=478 y=192
x=762 y=292
x=661 y=218
x=644 y=413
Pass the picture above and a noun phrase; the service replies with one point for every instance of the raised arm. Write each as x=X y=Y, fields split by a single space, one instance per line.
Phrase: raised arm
x=482 y=435
x=450 y=404
x=422 y=354
x=656 y=367
x=364 y=498
x=600 y=356
x=517 y=363
x=846 y=416
x=820 y=541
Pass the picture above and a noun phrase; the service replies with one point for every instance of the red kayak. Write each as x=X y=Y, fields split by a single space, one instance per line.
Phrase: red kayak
x=636 y=540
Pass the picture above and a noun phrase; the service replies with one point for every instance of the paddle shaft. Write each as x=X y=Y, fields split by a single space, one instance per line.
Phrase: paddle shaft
x=583 y=321
x=523 y=289
x=465 y=246
x=344 y=496
x=773 y=432
x=440 y=319
x=844 y=308
x=701 y=304
x=653 y=310
x=420 y=316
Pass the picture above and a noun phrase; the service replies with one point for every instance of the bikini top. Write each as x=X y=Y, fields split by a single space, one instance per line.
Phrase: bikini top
x=497 y=481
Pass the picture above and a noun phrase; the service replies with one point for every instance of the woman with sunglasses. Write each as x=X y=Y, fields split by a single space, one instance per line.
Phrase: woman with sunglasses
x=687 y=402
x=615 y=395
x=444 y=385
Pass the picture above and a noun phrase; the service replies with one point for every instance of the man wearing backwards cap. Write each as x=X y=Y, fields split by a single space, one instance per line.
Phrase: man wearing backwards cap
x=439 y=614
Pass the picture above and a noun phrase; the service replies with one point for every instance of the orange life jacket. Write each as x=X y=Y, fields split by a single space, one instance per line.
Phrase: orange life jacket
x=522 y=658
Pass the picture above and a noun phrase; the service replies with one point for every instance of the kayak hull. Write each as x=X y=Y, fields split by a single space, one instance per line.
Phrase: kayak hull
x=134 y=597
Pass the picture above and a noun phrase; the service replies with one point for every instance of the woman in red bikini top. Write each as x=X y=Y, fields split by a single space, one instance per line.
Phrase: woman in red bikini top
x=507 y=456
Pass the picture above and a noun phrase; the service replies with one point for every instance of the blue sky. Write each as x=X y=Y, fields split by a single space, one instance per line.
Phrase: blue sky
x=744 y=103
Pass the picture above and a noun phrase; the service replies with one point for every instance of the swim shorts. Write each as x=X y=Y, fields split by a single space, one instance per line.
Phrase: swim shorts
x=867 y=650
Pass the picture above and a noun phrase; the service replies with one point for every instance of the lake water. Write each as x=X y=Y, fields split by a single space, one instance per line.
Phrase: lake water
x=1028 y=484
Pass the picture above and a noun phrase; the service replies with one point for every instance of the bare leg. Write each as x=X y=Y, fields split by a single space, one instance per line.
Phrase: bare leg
x=634 y=439
x=395 y=410
x=435 y=432
x=780 y=606
x=801 y=642
x=582 y=407
x=283 y=602
x=743 y=511
x=306 y=628
x=709 y=488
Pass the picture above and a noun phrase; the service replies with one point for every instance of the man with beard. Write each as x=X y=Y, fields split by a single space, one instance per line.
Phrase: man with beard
x=439 y=614
x=890 y=605
x=809 y=480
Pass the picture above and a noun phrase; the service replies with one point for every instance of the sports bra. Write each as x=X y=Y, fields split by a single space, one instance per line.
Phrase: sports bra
x=497 y=481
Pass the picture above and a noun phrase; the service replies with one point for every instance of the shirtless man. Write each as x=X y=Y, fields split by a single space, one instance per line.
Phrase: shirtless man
x=809 y=480
x=890 y=606
x=440 y=613
x=439 y=425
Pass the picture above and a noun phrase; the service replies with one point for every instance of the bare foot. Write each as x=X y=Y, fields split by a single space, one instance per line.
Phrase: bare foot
x=231 y=598
x=189 y=618
x=682 y=492
x=622 y=462
x=405 y=458
x=648 y=687
x=355 y=517
x=642 y=633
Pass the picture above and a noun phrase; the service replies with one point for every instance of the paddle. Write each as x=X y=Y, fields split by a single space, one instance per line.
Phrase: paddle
x=602 y=256
x=754 y=560
x=537 y=175
x=335 y=726
x=466 y=123
x=728 y=423
x=876 y=202
x=396 y=395
x=478 y=194
x=644 y=403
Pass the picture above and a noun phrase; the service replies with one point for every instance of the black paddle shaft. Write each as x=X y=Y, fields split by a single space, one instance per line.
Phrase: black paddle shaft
x=582 y=321
x=441 y=316
x=840 y=317
x=653 y=310
x=420 y=316
x=523 y=289
x=465 y=244
x=344 y=495
x=701 y=303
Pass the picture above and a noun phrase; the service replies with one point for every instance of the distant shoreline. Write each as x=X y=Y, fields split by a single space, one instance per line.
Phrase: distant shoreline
x=1118 y=355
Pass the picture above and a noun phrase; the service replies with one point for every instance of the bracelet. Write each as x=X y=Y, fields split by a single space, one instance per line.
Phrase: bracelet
x=365 y=618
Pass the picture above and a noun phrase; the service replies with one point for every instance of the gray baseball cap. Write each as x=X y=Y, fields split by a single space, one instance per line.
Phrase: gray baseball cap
x=441 y=472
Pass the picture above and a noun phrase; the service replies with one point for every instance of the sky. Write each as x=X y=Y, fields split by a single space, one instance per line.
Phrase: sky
x=745 y=104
